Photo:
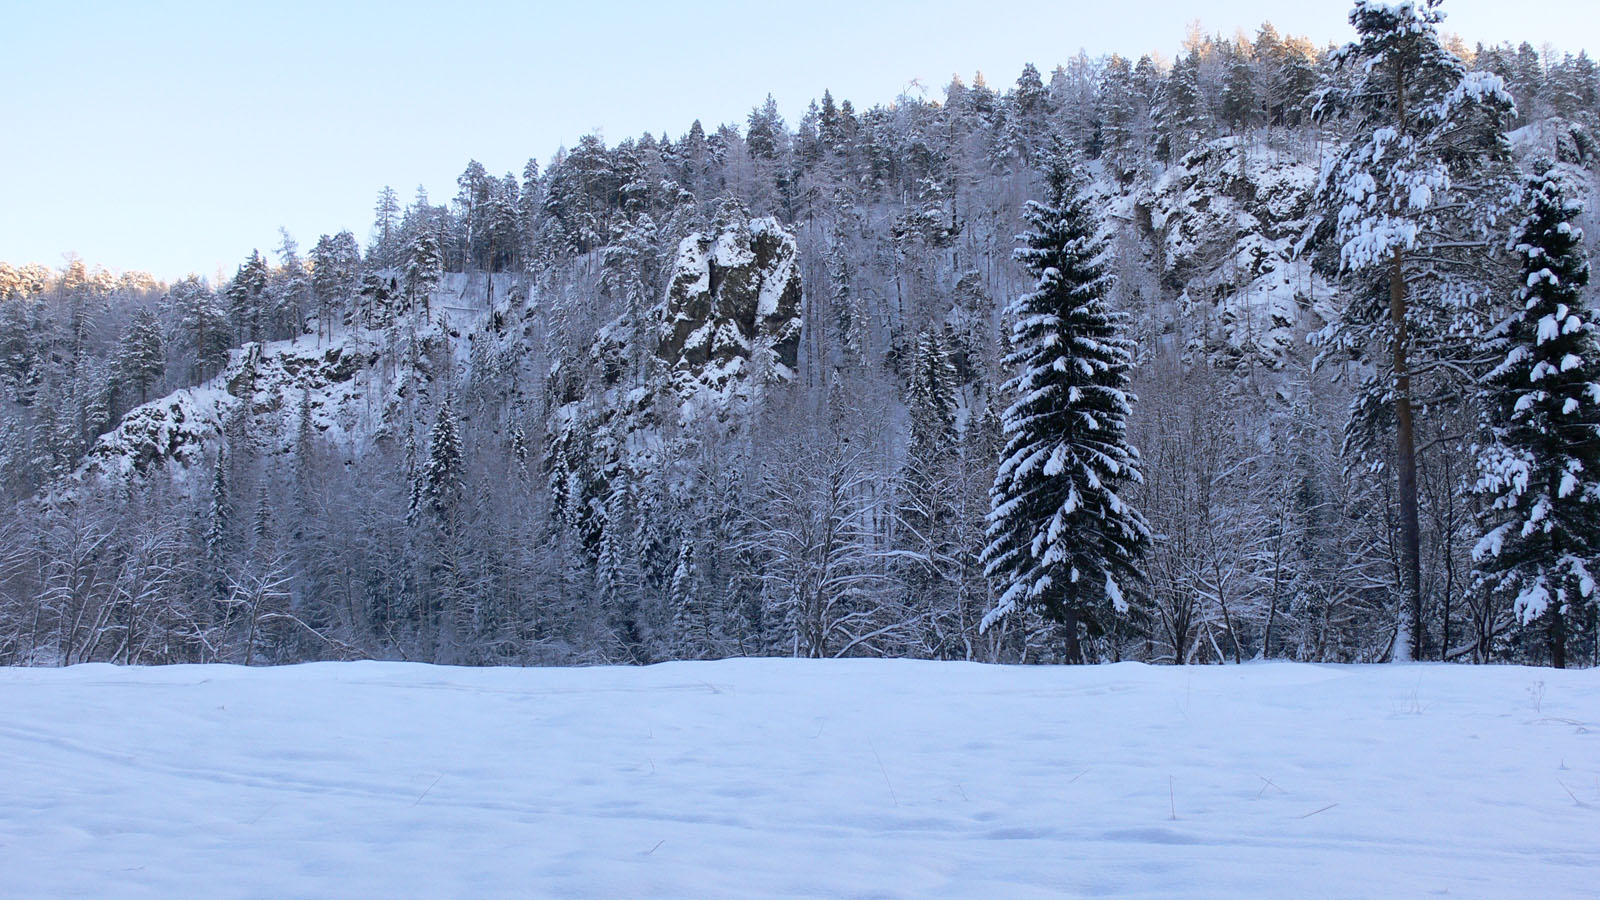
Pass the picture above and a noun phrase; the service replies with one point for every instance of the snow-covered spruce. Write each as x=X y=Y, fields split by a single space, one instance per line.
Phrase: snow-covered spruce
x=1060 y=537
x=1542 y=462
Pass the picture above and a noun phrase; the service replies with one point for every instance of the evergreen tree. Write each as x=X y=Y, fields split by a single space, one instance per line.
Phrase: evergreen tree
x=203 y=318
x=1117 y=115
x=220 y=515
x=247 y=298
x=931 y=491
x=384 y=251
x=1060 y=538
x=765 y=133
x=142 y=357
x=424 y=269
x=442 y=481
x=1027 y=113
x=288 y=290
x=1542 y=465
x=1180 y=114
x=21 y=368
x=691 y=623
x=335 y=277
x=1407 y=198
x=1239 y=90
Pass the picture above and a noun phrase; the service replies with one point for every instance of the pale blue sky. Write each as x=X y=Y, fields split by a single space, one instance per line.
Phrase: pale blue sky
x=174 y=137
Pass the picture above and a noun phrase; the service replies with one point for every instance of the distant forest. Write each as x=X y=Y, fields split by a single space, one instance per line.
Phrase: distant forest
x=778 y=388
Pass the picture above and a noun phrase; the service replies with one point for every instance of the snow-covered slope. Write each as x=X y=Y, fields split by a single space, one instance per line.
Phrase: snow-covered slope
x=800 y=778
x=266 y=384
x=341 y=385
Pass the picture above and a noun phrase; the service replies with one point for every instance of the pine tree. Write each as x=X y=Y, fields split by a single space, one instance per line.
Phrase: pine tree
x=1180 y=115
x=204 y=323
x=424 y=268
x=1027 y=111
x=764 y=129
x=288 y=290
x=1117 y=114
x=385 y=226
x=335 y=277
x=1061 y=540
x=21 y=368
x=142 y=357
x=247 y=298
x=1542 y=465
x=1405 y=198
x=1239 y=90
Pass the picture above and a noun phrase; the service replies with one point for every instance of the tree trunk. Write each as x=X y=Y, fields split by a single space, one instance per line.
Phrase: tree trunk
x=1556 y=630
x=1409 y=643
x=1069 y=622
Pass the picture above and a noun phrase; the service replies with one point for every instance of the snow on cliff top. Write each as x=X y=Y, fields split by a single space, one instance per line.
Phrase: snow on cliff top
x=799 y=778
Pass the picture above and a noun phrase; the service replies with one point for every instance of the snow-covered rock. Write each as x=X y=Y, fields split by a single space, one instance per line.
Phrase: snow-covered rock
x=1227 y=222
x=732 y=308
x=265 y=383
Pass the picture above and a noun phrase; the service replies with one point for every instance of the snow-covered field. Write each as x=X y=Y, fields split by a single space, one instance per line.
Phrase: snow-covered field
x=795 y=778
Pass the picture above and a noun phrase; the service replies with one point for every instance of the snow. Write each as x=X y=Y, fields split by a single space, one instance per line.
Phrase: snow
x=801 y=778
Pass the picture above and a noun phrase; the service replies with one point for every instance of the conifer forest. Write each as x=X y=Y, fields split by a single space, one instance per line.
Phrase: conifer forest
x=1269 y=351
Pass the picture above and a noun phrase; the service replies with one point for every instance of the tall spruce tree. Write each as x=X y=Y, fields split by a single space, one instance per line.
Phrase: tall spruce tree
x=1542 y=463
x=927 y=509
x=1060 y=537
x=1407 y=199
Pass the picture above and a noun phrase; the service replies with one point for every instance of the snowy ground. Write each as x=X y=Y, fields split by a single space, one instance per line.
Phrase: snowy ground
x=795 y=778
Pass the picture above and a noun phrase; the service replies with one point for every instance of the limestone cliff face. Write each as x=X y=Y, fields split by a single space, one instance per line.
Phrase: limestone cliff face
x=732 y=309
x=1227 y=222
x=725 y=331
x=265 y=384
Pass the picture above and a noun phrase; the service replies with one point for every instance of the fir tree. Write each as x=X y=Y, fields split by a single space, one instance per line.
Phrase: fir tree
x=1542 y=465
x=930 y=487
x=442 y=482
x=691 y=625
x=219 y=516
x=414 y=483
x=1061 y=540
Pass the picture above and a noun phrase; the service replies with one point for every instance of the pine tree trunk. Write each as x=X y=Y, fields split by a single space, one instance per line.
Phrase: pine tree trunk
x=1069 y=622
x=1556 y=631
x=1408 y=642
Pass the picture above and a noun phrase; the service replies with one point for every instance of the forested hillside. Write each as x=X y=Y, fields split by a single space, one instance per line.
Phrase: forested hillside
x=744 y=390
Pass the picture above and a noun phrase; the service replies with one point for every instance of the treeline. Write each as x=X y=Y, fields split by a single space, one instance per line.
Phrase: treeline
x=523 y=493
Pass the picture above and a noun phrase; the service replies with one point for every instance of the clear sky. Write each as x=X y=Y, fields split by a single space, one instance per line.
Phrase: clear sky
x=174 y=137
